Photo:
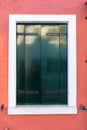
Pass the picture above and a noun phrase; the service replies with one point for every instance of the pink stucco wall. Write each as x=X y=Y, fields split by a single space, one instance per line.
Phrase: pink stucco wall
x=44 y=122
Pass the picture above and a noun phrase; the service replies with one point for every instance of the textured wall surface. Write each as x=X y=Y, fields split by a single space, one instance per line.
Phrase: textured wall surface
x=44 y=122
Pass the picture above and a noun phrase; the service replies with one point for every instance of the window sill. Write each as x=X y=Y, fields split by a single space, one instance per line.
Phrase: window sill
x=45 y=109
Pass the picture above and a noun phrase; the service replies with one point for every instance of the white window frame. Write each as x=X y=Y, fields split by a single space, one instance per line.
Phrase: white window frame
x=42 y=109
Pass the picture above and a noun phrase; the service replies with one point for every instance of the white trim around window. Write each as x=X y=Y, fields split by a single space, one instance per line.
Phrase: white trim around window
x=42 y=109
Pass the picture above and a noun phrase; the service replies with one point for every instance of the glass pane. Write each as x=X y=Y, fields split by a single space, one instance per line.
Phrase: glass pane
x=32 y=67
x=34 y=29
x=20 y=70
x=63 y=28
x=20 y=28
x=63 y=65
x=50 y=65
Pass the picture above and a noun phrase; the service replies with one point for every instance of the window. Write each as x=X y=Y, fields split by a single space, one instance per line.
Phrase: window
x=42 y=64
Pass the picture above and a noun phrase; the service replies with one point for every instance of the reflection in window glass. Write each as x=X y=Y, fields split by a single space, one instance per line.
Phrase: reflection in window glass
x=20 y=69
x=32 y=29
x=20 y=28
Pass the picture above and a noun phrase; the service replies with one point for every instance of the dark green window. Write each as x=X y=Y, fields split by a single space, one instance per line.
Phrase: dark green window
x=42 y=63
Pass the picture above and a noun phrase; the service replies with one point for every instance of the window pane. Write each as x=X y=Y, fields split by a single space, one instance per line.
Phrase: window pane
x=32 y=67
x=63 y=64
x=20 y=28
x=50 y=64
x=20 y=70
x=32 y=29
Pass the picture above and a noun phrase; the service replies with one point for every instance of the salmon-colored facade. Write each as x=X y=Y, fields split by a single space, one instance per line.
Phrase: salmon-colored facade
x=44 y=122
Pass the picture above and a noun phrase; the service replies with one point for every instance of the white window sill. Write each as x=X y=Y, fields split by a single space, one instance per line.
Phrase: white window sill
x=45 y=109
